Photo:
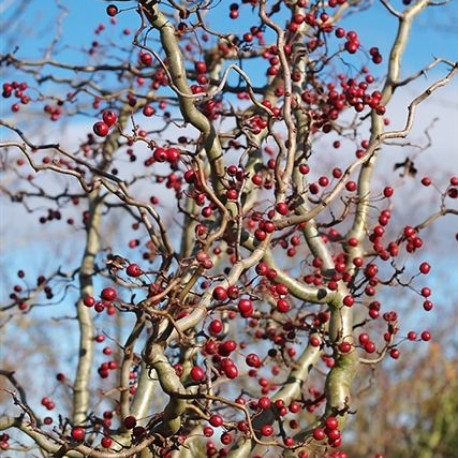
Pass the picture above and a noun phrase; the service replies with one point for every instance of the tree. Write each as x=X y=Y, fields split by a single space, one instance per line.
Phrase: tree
x=211 y=291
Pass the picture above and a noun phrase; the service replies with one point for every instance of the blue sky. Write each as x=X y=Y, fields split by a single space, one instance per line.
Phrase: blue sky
x=435 y=35
x=432 y=37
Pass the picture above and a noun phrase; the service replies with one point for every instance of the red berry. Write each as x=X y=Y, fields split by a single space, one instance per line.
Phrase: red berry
x=315 y=341
x=426 y=181
x=173 y=154
x=245 y=307
x=353 y=242
x=289 y=441
x=412 y=335
x=226 y=348
x=112 y=10
x=145 y=58
x=215 y=327
x=319 y=434
x=426 y=292
x=304 y=169
x=395 y=353
x=332 y=423
x=226 y=438
x=233 y=292
x=294 y=407
x=197 y=374
x=283 y=306
x=148 y=110
x=264 y=403
x=107 y=442
x=130 y=422
x=260 y=235
x=345 y=347
x=208 y=431
x=220 y=293
x=109 y=294
x=340 y=33
x=262 y=268
x=313 y=188
x=109 y=117
x=388 y=191
x=160 y=154
x=336 y=172
x=369 y=347
x=78 y=433
x=200 y=67
x=363 y=338
x=323 y=181
x=409 y=231
x=133 y=270
x=427 y=305
x=190 y=176
x=138 y=431
x=426 y=336
x=281 y=289
x=100 y=128
x=425 y=268
x=282 y=208
x=89 y=301
x=231 y=371
x=253 y=360
x=216 y=420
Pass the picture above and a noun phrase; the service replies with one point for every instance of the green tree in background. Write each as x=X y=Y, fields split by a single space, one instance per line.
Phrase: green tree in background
x=216 y=263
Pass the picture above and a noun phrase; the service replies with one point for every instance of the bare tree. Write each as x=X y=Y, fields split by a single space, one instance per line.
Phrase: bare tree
x=240 y=289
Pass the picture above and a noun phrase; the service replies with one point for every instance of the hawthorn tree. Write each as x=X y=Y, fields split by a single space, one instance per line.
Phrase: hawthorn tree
x=232 y=263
